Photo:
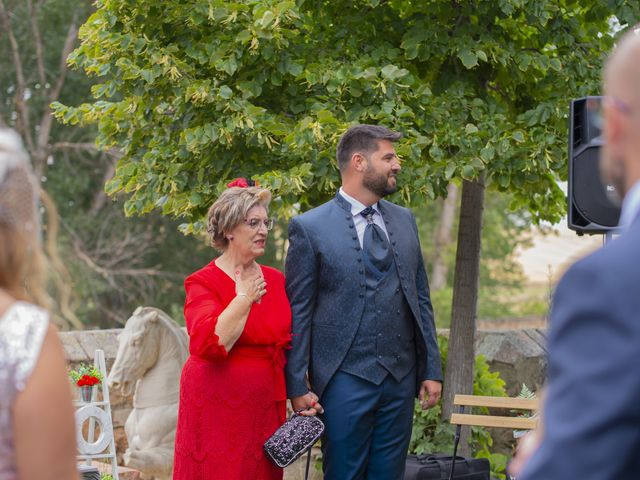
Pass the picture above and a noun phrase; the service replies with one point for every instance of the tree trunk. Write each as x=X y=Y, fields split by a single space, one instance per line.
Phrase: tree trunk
x=461 y=356
x=443 y=239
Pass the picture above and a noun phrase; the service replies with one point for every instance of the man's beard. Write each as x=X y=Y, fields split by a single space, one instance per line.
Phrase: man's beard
x=378 y=183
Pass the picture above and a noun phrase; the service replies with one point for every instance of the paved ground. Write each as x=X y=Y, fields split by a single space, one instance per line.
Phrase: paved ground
x=553 y=253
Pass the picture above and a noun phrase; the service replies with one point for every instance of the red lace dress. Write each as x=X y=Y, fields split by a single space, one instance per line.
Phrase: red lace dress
x=231 y=402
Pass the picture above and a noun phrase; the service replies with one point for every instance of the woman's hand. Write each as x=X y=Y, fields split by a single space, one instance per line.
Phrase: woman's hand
x=251 y=284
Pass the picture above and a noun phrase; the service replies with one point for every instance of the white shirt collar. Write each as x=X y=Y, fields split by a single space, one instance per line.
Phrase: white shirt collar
x=630 y=207
x=356 y=205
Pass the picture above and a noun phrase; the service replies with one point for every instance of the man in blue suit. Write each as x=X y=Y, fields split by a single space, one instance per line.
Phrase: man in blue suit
x=364 y=341
x=591 y=413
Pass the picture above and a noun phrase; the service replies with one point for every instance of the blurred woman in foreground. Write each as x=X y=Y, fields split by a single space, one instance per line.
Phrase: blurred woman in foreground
x=37 y=433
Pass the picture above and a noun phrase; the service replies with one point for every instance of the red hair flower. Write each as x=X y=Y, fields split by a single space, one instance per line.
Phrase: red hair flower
x=238 y=182
x=242 y=183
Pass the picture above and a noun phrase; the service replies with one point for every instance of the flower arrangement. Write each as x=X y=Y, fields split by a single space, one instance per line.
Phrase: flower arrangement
x=86 y=375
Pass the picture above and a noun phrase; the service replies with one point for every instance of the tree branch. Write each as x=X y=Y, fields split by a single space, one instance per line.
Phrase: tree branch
x=100 y=196
x=86 y=146
x=72 y=35
x=23 y=124
x=47 y=118
x=37 y=37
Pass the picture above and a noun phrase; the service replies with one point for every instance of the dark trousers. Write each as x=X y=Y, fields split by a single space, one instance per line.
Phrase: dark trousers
x=368 y=427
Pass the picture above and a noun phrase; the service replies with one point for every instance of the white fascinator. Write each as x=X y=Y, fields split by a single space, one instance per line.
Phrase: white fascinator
x=18 y=188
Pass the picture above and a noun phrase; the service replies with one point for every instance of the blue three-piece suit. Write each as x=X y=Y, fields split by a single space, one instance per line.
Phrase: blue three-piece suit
x=365 y=337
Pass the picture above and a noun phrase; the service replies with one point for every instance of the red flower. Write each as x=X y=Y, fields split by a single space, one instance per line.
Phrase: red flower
x=238 y=182
x=87 y=380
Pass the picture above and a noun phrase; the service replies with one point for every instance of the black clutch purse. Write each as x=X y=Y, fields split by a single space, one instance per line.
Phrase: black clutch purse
x=294 y=437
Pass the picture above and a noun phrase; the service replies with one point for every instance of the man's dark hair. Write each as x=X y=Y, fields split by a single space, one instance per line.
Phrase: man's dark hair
x=362 y=138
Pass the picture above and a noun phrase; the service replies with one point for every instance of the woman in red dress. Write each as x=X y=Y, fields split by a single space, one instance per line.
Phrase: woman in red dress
x=232 y=389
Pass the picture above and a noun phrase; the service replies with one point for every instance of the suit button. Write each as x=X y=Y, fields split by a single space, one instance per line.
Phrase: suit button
x=398 y=336
x=397 y=290
x=355 y=237
x=350 y=226
x=360 y=271
x=358 y=249
x=362 y=285
x=398 y=311
x=348 y=218
x=359 y=260
x=361 y=295
x=379 y=356
x=393 y=242
x=391 y=234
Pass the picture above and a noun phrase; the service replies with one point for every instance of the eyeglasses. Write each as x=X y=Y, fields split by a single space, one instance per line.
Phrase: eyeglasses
x=256 y=223
x=595 y=107
x=619 y=104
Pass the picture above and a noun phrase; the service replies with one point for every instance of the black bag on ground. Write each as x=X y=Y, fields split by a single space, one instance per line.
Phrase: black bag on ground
x=438 y=466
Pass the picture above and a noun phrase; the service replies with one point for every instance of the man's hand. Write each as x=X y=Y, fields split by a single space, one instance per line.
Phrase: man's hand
x=430 y=391
x=307 y=404
x=527 y=445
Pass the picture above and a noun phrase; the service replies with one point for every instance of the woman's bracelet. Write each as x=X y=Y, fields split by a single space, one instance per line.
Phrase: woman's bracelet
x=242 y=294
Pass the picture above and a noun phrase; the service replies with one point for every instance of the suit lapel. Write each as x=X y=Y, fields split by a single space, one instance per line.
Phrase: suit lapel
x=389 y=224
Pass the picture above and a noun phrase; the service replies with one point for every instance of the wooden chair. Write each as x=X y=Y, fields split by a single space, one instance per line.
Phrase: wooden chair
x=497 y=421
x=516 y=423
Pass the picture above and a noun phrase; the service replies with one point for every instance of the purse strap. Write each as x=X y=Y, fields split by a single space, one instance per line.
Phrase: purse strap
x=456 y=441
x=306 y=472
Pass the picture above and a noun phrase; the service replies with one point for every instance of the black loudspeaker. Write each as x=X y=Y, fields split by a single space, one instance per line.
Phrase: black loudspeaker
x=590 y=209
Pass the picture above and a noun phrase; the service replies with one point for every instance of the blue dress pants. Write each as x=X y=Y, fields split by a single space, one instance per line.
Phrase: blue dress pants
x=368 y=427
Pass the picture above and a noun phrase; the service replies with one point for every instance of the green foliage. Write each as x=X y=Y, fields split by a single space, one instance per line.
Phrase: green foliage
x=501 y=275
x=85 y=369
x=198 y=92
x=431 y=434
x=114 y=264
x=526 y=393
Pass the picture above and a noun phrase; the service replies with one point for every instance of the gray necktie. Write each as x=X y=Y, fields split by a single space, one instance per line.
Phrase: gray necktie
x=375 y=244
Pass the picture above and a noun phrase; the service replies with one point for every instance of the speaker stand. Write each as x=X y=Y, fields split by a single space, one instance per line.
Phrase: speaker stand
x=608 y=237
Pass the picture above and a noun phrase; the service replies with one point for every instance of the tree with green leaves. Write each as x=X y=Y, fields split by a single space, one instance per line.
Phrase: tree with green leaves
x=195 y=93
x=101 y=265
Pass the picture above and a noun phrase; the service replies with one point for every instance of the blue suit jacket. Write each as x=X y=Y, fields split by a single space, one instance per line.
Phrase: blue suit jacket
x=325 y=282
x=592 y=408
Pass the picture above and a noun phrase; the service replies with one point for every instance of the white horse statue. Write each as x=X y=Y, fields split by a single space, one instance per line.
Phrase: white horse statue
x=152 y=350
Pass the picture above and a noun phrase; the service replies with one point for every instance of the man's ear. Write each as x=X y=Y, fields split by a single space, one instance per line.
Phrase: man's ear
x=358 y=162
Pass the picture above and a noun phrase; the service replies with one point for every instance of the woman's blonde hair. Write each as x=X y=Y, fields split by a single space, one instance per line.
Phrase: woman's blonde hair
x=21 y=257
x=230 y=210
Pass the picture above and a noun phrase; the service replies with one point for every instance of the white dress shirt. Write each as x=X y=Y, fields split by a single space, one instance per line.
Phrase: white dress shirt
x=630 y=207
x=359 y=221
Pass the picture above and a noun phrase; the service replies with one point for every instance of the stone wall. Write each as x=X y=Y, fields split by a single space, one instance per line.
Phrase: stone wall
x=519 y=356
